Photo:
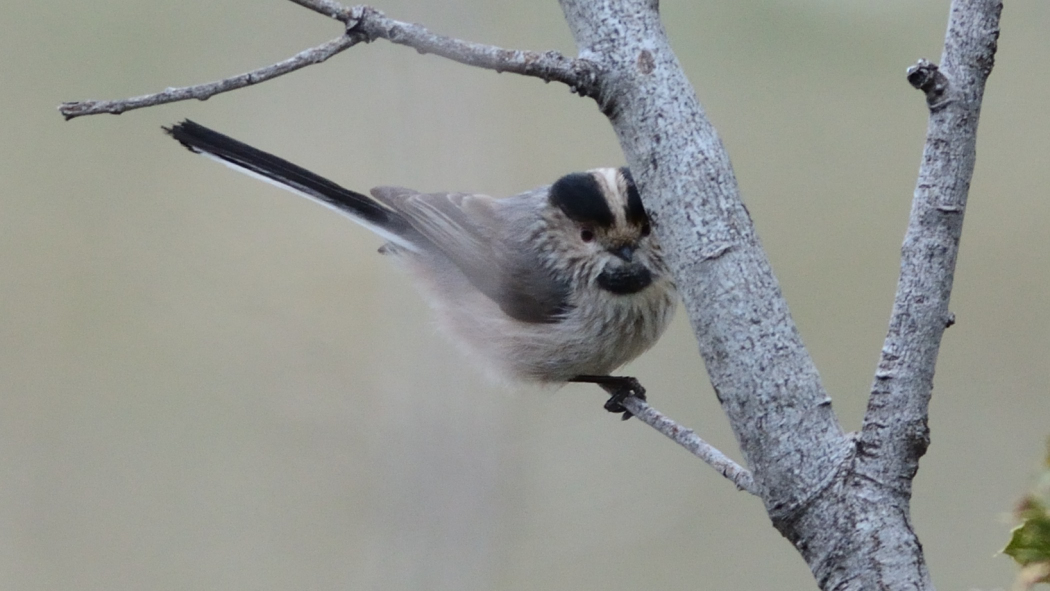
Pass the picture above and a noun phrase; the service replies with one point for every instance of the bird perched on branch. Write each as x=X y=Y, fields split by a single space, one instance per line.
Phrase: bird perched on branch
x=563 y=283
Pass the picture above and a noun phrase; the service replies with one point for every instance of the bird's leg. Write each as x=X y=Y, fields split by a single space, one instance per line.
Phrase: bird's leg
x=618 y=387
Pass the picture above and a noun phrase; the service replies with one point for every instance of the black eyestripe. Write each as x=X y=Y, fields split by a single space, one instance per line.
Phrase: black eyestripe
x=580 y=197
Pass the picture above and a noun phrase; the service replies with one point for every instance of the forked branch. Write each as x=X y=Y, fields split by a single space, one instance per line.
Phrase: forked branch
x=365 y=24
x=842 y=500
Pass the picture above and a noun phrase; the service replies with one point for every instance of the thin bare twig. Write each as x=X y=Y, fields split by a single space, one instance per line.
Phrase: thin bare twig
x=580 y=75
x=203 y=92
x=365 y=24
x=328 y=8
x=688 y=439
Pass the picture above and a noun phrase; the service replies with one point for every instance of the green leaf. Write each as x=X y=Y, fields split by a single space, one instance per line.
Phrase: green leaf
x=1030 y=541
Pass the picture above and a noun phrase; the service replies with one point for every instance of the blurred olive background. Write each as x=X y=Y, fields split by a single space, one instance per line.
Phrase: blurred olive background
x=207 y=383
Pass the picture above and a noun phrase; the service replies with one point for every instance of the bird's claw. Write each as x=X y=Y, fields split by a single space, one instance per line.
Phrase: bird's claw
x=619 y=388
x=619 y=391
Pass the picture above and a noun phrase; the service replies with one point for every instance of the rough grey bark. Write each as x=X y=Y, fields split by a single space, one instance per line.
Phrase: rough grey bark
x=762 y=374
x=895 y=435
x=841 y=499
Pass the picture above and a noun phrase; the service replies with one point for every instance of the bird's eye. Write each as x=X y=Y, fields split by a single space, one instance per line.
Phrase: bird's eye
x=586 y=235
x=646 y=229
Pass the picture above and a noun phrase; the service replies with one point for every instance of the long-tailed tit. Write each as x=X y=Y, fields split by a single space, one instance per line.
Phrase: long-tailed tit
x=559 y=284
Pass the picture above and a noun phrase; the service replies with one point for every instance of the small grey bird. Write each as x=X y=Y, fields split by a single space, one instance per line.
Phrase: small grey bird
x=563 y=283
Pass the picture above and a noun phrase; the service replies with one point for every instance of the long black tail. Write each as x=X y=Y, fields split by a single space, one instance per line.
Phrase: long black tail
x=278 y=171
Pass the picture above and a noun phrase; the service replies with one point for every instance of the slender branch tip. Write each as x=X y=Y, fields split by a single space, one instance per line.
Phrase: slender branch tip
x=688 y=439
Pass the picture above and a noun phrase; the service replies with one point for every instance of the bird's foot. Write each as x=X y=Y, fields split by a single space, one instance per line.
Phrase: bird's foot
x=619 y=389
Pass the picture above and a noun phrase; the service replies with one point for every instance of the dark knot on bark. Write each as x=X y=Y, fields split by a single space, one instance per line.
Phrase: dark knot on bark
x=927 y=77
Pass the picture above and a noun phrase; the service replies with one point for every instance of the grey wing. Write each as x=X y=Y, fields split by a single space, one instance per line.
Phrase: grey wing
x=469 y=231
